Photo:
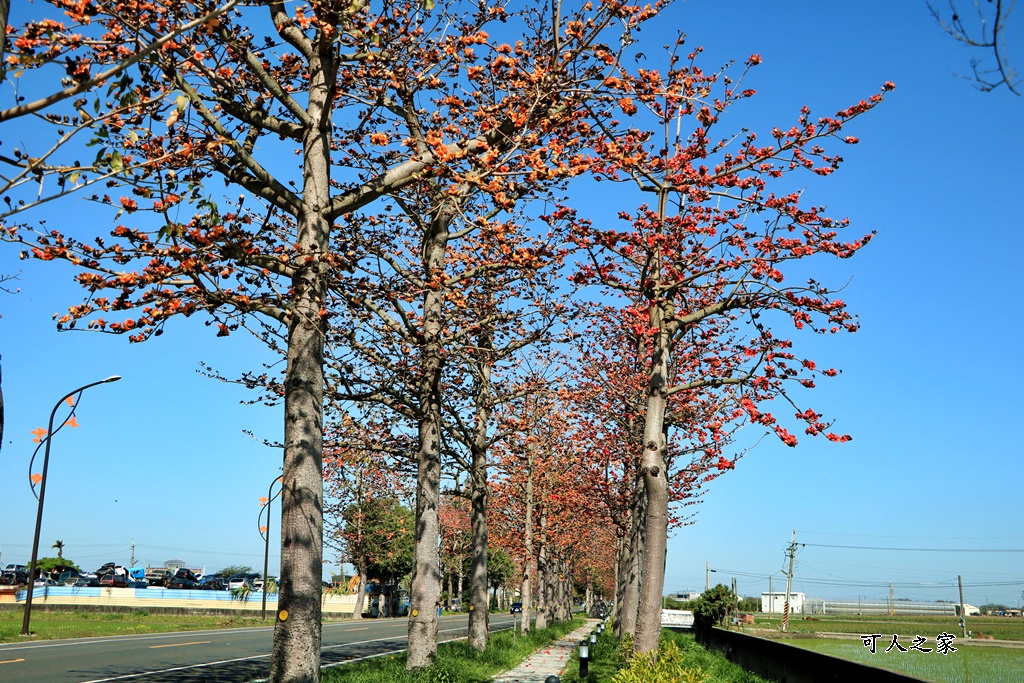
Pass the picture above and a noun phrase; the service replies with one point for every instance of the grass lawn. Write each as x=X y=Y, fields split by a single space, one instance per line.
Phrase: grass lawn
x=698 y=664
x=49 y=625
x=969 y=664
x=456 y=662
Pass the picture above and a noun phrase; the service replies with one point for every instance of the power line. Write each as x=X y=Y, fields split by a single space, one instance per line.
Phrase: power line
x=950 y=583
x=926 y=550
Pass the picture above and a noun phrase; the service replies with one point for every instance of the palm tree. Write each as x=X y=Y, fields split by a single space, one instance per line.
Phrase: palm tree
x=59 y=545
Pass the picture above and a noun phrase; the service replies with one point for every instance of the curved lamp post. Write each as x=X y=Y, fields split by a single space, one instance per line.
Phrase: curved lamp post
x=42 y=495
x=265 y=533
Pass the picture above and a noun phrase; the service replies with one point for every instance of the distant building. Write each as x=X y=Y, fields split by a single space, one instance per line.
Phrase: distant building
x=175 y=565
x=774 y=603
x=685 y=596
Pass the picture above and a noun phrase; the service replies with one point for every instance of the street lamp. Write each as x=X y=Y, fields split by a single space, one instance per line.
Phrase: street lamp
x=42 y=492
x=265 y=533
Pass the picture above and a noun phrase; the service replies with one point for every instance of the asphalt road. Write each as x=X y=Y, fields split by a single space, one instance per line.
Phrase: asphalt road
x=222 y=656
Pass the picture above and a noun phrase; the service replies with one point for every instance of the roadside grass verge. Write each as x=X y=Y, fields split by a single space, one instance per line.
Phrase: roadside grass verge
x=456 y=662
x=51 y=625
x=694 y=663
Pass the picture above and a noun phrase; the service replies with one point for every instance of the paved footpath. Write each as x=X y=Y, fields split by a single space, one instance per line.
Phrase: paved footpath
x=547 y=661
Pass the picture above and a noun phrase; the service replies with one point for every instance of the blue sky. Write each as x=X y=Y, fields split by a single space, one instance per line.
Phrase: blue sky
x=929 y=388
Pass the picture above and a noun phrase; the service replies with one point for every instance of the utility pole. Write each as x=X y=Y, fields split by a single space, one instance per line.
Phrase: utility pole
x=771 y=598
x=892 y=605
x=707 y=575
x=963 y=612
x=132 y=564
x=789 y=583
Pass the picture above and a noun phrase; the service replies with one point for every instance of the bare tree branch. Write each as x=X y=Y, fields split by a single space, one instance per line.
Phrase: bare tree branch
x=987 y=30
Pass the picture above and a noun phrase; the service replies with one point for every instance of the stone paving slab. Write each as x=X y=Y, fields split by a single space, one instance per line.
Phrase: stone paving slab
x=547 y=661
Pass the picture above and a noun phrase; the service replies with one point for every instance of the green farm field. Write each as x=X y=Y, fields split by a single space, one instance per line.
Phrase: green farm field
x=999 y=628
x=969 y=664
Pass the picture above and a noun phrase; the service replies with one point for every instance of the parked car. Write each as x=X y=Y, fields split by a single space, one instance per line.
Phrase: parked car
x=213 y=583
x=184 y=579
x=86 y=582
x=68 y=577
x=14 y=574
x=136 y=583
x=41 y=581
x=517 y=608
x=114 y=581
x=55 y=573
x=237 y=582
x=158 y=577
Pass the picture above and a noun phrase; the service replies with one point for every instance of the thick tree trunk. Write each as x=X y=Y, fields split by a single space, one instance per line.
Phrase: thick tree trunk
x=357 y=613
x=561 y=593
x=632 y=546
x=529 y=563
x=426 y=576
x=542 y=575
x=478 y=607
x=296 y=653
x=655 y=480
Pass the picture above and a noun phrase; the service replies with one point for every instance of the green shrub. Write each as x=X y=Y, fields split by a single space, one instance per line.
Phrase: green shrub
x=711 y=607
x=668 y=668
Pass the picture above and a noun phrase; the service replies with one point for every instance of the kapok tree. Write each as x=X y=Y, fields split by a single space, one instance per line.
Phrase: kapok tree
x=704 y=263
x=368 y=101
x=456 y=544
x=609 y=392
x=506 y=303
x=535 y=466
x=359 y=470
x=425 y=328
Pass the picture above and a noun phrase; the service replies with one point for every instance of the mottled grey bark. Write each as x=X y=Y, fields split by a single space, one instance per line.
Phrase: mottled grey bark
x=654 y=471
x=529 y=562
x=632 y=551
x=478 y=605
x=296 y=653
x=426 y=575
x=542 y=574
x=357 y=612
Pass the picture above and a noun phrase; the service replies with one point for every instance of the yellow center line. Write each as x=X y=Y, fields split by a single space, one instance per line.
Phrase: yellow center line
x=198 y=642
x=365 y=628
x=12 y=661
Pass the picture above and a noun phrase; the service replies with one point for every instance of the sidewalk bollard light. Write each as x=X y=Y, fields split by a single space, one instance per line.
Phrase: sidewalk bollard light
x=584 y=659
x=552 y=679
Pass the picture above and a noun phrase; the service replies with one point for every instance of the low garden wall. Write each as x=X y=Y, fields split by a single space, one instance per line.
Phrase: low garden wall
x=781 y=662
